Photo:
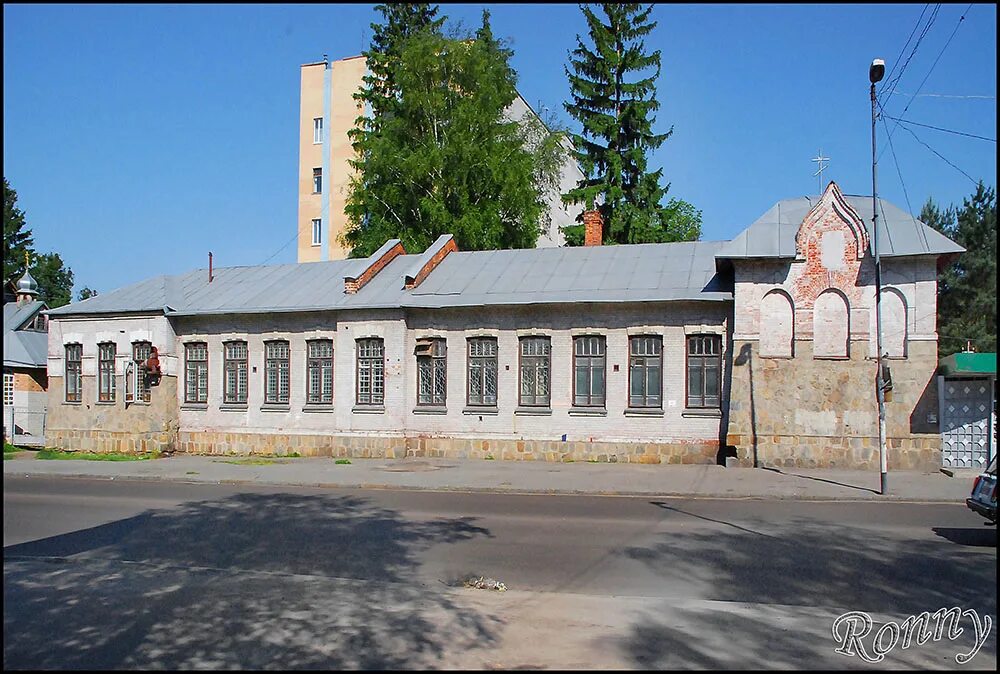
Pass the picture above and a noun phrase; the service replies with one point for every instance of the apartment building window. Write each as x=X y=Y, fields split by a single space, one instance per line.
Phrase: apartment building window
x=74 y=373
x=235 y=368
x=704 y=368
x=644 y=371
x=588 y=371
x=8 y=389
x=317 y=130
x=319 y=372
x=482 y=365
x=317 y=180
x=141 y=351
x=276 y=371
x=106 y=372
x=536 y=353
x=196 y=373
x=317 y=232
x=371 y=372
x=432 y=371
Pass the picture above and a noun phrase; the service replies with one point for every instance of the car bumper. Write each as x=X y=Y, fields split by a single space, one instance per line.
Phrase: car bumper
x=984 y=510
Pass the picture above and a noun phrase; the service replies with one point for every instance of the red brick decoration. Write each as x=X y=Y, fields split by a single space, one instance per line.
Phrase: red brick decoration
x=435 y=260
x=353 y=285
x=832 y=214
x=593 y=228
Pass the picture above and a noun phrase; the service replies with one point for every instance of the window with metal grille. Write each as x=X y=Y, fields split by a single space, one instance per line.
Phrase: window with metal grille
x=371 y=372
x=432 y=371
x=483 y=371
x=704 y=368
x=588 y=371
x=317 y=130
x=196 y=373
x=317 y=232
x=106 y=372
x=319 y=372
x=317 y=180
x=141 y=351
x=276 y=367
x=74 y=373
x=8 y=389
x=644 y=371
x=535 y=355
x=235 y=367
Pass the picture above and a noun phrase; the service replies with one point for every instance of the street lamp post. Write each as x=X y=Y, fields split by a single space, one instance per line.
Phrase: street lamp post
x=875 y=73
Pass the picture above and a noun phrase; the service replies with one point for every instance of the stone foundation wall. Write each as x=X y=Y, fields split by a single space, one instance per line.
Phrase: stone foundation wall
x=378 y=447
x=110 y=441
x=94 y=426
x=815 y=413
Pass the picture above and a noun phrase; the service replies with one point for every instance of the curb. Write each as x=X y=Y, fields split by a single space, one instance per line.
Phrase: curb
x=499 y=490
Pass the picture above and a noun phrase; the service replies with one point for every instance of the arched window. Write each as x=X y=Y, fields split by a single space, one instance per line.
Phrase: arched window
x=830 y=325
x=894 y=328
x=776 y=325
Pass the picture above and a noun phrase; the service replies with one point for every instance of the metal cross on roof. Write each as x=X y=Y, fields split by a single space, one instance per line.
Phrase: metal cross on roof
x=819 y=159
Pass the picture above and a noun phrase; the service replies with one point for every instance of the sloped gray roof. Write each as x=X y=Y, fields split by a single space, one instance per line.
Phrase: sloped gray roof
x=773 y=234
x=23 y=348
x=15 y=316
x=635 y=273
x=266 y=288
x=646 y=272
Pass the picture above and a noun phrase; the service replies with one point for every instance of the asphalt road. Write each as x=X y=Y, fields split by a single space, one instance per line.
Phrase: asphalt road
x=112 y=574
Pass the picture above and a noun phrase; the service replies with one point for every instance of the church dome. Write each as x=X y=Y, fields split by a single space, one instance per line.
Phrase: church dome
x=27 y=285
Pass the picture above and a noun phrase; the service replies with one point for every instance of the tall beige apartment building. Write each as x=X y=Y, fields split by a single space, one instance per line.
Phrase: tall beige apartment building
x=327 y=111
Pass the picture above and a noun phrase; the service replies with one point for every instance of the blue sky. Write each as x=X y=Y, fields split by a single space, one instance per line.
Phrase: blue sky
x=140 y=137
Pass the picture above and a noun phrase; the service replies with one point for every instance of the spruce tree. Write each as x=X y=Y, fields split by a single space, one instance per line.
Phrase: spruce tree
x=17 y=238
x=967 y=300
x=613 y=85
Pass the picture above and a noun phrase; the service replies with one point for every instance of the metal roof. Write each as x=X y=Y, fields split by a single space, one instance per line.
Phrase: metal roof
x=773 y=234
x=633 y=273
x=968 y=363
x=23 y=348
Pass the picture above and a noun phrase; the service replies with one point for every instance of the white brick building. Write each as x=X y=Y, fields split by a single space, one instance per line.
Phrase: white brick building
x=618 y=353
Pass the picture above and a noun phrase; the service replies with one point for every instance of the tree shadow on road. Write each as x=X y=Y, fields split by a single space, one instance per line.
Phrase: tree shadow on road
x=802 y=568
x=255 y=581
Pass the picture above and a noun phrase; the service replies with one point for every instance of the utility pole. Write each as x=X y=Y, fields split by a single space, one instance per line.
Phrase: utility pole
x=875 y=73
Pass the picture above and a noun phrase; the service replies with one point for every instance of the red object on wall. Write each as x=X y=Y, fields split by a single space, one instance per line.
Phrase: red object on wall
x=153 y=362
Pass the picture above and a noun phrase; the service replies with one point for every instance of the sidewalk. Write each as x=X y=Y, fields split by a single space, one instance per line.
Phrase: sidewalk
x=521 y=477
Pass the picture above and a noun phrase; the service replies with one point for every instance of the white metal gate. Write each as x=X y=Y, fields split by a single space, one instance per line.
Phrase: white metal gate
x=966 y=410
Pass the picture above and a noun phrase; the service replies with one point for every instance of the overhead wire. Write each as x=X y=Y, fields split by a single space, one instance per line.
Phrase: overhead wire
x=891 y=84
x=938 y=128
x=961 y=18
x=945 y=159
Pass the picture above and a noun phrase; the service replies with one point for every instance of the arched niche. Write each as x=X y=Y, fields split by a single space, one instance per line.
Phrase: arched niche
x=894 y=324
x=777 y=319
x=831 y=325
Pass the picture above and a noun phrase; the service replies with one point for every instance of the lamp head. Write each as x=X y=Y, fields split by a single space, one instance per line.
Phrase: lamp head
x=876 y=71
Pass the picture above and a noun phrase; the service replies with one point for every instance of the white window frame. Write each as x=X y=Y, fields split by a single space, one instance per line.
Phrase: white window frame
x=317 y=130
x=317 y=231
x=8 y=389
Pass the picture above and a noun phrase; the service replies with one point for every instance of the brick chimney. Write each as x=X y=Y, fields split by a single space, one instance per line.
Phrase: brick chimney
x=593 y=228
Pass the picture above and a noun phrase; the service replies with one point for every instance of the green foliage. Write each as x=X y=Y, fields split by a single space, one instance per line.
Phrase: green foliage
x=342 y=462
x=616 y=114
x=380 y=90
x=443 y=158
x=967 y=301
x=17 y=237
x=55 y=280
x=56 y=454
x=86 y=293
